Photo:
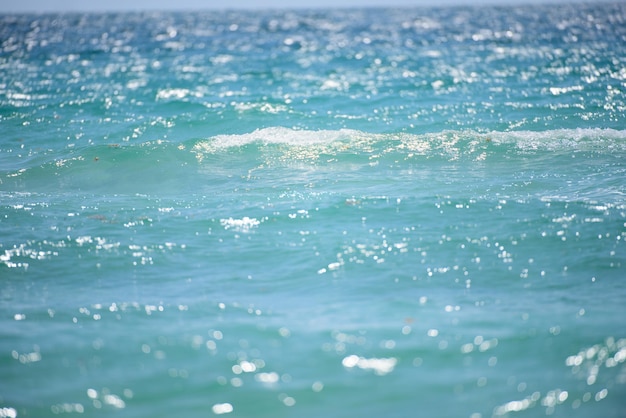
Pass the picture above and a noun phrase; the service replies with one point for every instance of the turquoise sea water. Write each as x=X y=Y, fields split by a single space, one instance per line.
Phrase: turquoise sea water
x=314 y=213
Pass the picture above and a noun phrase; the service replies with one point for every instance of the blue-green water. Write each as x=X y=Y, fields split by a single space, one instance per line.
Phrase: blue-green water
x=343 y=213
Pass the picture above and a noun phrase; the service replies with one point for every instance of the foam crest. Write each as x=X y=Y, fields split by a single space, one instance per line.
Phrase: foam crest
x=281 y=135
x=601 y=139
x=449 y=143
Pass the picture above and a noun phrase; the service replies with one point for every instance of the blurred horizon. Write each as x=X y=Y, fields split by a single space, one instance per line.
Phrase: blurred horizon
x=28 y=6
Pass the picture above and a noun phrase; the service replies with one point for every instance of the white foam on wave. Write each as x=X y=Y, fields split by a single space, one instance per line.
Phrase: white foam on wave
x=310 y=144
x=281 y=135
x=452 y=144
x=607 y=139
x=303 y=144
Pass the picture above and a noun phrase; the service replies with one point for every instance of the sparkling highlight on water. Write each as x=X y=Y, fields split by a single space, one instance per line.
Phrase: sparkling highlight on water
x=299 y=212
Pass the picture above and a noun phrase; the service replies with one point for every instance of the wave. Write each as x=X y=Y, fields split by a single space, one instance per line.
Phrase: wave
x=451 y=144
x=196 y=163
x=524 y=139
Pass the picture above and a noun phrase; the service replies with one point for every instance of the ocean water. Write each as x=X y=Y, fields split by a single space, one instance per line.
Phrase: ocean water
x=314 y=213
